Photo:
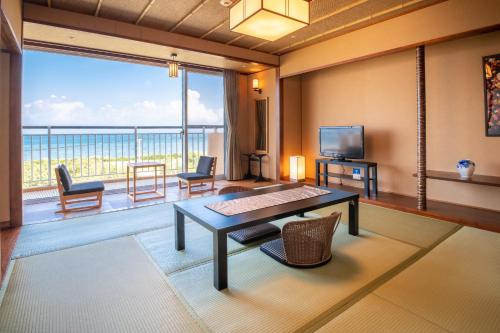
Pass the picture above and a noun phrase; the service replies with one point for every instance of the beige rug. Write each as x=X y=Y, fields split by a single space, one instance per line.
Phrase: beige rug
x=421 y=231
x=265 y=296
x=110 y=286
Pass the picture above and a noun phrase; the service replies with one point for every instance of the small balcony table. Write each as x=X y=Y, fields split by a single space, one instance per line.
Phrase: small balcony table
x=144 y=165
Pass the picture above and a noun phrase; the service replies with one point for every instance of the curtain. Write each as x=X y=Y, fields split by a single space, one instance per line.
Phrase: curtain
x=231 y=101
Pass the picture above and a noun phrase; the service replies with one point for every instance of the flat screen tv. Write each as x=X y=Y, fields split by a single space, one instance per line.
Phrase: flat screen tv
x=342 y=142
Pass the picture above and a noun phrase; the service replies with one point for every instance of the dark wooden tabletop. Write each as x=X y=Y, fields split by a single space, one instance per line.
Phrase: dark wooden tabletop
x=196 y=210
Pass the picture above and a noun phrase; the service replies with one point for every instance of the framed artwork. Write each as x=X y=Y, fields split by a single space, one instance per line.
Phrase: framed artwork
x=491 y=68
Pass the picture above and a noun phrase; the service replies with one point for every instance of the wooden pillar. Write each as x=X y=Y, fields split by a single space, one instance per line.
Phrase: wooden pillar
x=15 y=141
x=278 y=119
x=421 y=133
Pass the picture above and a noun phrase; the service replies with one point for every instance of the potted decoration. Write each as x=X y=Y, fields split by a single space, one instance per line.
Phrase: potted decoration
x=466 y=168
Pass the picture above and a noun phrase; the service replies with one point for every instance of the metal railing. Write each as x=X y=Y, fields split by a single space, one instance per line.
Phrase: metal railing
x=102 y=152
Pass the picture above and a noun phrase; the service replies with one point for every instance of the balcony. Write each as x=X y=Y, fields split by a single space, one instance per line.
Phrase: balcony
x=102 y=153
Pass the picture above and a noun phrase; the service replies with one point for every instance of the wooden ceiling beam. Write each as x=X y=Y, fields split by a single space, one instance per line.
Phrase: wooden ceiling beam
x=98 y=25
x=188 y=15
x=145 y=11
x=98 y=8
x=217 y=27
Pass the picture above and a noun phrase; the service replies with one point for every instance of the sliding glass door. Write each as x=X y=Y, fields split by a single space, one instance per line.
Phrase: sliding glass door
x=204 y=117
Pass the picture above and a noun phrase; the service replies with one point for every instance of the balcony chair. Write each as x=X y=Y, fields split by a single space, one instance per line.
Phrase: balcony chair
x=250 y=234
x=70 y=193
x=205 y=173
x=304 y=244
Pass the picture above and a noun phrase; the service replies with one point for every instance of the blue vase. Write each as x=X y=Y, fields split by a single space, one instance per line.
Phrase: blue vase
x=466 y=168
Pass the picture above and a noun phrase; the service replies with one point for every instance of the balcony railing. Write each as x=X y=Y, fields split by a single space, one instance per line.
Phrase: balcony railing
x=101 y=152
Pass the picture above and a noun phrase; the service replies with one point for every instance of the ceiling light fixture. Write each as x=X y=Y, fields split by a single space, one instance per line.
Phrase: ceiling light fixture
x=269 y=19
x=173 y=66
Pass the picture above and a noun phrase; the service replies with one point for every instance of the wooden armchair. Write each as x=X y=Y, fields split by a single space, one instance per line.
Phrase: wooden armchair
x=305 y=243
x=70 y=193
x=205 y=173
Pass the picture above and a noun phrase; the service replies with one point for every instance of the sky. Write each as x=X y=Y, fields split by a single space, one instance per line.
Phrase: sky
x=71 y=90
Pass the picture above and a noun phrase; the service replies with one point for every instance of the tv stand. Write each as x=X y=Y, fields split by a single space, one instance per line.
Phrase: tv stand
x=369 y=174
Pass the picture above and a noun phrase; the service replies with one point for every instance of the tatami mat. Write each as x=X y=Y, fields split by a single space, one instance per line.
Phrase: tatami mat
x=265 y=296
x=160 y=244
x=52 y=236
x=375 y=315
x=410 y=228
x=456 y=285
x=110 y=286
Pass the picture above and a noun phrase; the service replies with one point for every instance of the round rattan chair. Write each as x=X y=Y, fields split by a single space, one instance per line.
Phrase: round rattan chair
x=304 y=243
x=251 y=234
x=234 y=189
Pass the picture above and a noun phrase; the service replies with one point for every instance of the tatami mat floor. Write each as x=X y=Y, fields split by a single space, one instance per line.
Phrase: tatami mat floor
x=263 y=295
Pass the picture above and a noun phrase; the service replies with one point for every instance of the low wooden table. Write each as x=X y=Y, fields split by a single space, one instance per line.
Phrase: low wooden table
x=143 y=165
x=220 y=225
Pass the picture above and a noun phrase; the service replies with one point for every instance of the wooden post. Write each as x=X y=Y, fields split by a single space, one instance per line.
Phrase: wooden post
x=421 y=134
x=15 y=144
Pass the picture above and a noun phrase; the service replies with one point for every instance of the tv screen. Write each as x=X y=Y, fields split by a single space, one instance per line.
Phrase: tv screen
x=342 y=142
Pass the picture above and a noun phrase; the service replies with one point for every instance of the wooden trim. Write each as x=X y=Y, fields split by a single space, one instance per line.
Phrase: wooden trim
x=70 y=20
x=15 y=141
x=101 y=54
x=8 y=36
x=430 y=42
x=421 y=130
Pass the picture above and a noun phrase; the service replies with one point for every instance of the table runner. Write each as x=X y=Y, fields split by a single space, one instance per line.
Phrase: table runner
x=247 y=204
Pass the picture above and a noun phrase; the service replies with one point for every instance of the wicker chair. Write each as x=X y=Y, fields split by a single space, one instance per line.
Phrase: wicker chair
x=251 y=234
x=305 y=243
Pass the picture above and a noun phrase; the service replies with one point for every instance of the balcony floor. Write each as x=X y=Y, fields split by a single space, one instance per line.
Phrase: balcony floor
x=41 y=206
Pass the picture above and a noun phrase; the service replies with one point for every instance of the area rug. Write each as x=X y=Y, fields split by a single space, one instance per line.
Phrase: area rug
x=52 y=236
x=111 y=286
x=266 y=296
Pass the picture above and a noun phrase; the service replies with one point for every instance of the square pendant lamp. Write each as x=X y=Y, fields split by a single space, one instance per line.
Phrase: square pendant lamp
x=268 y=19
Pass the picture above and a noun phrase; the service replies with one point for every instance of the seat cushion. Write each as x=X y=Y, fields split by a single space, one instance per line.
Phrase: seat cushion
x=276 y=250
x=205 y=165
x=66 y=180
x=193 y=176
x=252 y=234
x=82 y=188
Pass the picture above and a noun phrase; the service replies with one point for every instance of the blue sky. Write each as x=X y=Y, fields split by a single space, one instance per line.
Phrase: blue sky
x=69 y=90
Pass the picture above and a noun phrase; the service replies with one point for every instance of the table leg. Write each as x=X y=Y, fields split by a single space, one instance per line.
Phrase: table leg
x=220 y=260
x=179 y=230
x=318 y=181
x=374 y=176
x=128 y=180
x=156 y=179
x=135 y=183
x=325 y=174
x=164 y=181
x=367 y=181
x=354 y=217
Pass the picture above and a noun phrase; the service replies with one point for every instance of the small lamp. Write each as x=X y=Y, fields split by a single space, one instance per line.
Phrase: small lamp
x=255 y=86
x=297 y=168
